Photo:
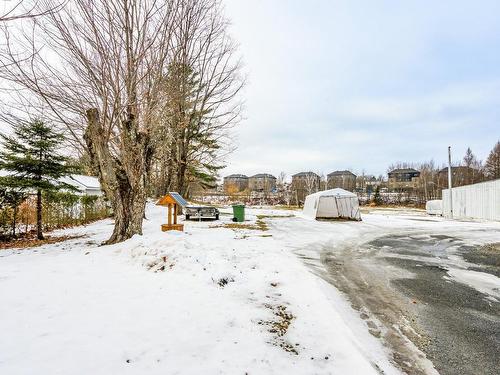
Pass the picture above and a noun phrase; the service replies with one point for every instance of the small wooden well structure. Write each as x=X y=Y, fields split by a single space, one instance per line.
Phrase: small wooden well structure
x=173 y=201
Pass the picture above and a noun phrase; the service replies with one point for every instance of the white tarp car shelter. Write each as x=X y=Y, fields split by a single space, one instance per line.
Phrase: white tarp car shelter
x=332 y=204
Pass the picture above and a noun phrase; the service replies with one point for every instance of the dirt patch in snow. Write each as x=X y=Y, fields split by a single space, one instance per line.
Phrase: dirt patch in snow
x=159 y=265
x=278 y=326
x=258 y=225
x=25 y=243
x=261 y=217
x=223 y=281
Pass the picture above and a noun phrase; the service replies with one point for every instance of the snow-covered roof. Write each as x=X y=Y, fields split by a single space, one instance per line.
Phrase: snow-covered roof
x=337 y=192
x=88 y=181
x=81 y=182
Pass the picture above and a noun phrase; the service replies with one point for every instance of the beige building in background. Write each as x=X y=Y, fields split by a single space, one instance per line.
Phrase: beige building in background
x=262 y=182
x=341 y=179
x=403 y=179
x=303 y=184
x=235 y=183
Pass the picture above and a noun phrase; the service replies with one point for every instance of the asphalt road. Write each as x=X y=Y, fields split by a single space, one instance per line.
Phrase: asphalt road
x=400 y=286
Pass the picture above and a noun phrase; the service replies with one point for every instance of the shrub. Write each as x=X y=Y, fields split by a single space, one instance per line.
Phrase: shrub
x=60 y=209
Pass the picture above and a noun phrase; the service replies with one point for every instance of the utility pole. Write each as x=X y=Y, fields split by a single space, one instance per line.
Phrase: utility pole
x=449 y=182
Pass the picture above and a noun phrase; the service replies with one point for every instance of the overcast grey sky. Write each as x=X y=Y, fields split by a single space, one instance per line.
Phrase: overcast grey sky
x=353 y=84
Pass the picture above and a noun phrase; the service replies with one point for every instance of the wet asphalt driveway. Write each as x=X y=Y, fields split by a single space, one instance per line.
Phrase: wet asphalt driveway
x=401 y=286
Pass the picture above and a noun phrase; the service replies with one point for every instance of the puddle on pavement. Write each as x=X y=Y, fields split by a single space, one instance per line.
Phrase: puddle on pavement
x=435 y=221
x=462 y=324
x=416 y=245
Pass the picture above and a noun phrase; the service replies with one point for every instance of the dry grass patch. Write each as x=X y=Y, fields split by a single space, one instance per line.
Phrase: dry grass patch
x=279 y=327
x=258 y=225
x=25 y=243
x=261 y=217
x=256 y=235
x=285 y=207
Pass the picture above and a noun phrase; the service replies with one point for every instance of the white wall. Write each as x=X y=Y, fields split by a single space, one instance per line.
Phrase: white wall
x=477 y=201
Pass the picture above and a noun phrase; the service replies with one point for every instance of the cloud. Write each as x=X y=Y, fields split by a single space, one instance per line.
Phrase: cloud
x=355 y=84
x=452 y=101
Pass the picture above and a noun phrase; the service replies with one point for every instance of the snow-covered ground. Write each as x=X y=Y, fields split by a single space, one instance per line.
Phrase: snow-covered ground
x=211 y=300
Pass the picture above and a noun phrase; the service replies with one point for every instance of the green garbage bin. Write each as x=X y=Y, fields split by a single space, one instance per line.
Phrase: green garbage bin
x=239 y=212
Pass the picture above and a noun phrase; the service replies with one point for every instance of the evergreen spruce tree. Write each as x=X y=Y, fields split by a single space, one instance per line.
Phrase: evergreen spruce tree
x=35 y=165
x=192 y=144
x=492 y=165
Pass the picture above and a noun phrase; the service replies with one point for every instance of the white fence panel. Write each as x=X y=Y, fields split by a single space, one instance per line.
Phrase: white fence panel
x=477 y=201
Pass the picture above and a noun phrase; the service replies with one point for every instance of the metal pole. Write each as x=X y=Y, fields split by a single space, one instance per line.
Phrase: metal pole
x=450 y=192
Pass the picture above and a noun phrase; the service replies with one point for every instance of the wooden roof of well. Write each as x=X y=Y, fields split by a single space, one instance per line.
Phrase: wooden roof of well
x=171 y=198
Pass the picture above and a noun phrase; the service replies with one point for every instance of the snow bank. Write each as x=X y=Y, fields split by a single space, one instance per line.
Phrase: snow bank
x=211 y=300
x=483 y=282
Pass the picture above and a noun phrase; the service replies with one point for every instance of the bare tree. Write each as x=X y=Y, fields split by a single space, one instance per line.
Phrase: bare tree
x=361 y=181
x=401 y=165
x=96 y=67
x=428 y=177
x=323 y=181
x=22 y=9
x=281 y=180
x=492 y=165
x=201 y=97
x=473 y=168
x=287 y=193
x=312 y=182
x=284 y=188
x=124 y=78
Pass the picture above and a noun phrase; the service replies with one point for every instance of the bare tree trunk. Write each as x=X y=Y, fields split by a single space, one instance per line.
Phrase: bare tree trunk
x=123 y=182
x=39 y=233
x=181 y=177
x=108 y=76
x=170 y=171
x=14 y=221
x=129 y=212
